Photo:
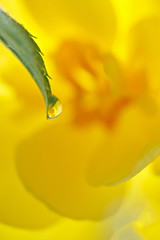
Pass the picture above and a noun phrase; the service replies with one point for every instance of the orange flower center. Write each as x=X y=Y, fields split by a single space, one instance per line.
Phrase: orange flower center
x=102 y=87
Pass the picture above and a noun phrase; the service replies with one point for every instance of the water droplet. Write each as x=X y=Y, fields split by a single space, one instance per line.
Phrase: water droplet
x=54 y=107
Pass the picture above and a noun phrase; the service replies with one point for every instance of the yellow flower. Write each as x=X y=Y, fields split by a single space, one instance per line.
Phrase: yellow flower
x=105 y=63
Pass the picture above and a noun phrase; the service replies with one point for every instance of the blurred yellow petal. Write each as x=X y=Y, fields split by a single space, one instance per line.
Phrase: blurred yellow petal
x=64 y=230
x=121 y=223
x=17 y=207
x=153 y=193
x=143 y=221
x=127 y=232
x=128 y=13
x=156 y=166
x=148 y=225
x=52 y=165
x=69 y=229
x=88 y=19
x=126 y=151
x=148 y=221
x=144 y=50
x=150 y=232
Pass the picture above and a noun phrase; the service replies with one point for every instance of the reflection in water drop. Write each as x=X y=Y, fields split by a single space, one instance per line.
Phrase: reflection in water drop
x=54 y=107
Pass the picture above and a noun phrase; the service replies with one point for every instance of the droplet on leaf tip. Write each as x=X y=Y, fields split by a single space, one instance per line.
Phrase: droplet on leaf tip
x=54 y=107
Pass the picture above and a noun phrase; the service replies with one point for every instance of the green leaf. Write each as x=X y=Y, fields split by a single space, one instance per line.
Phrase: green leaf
x=20 y=42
